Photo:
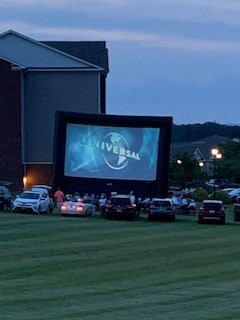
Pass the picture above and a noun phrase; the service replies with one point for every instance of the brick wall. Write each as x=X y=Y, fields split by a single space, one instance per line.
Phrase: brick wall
x=38 y=174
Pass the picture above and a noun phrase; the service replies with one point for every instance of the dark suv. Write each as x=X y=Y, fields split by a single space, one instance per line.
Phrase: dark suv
x=5 y=198
x=120 y=206
x=161 y=209
x=211 y=210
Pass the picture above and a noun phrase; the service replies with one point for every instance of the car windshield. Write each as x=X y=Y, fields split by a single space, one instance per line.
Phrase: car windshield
x=120 y=201
x=161 y=204
x=29 y=195
x=212 y=206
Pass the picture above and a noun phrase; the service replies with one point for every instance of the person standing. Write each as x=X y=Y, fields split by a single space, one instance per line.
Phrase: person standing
x=102 y=203
x=59 y=198
x=132 y=197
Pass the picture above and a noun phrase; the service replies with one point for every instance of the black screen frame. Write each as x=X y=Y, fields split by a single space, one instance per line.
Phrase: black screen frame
x=157 y=187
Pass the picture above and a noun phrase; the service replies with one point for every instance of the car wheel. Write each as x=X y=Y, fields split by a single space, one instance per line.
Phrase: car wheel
x=48 y=210
x=149 y=218
x=39 y=210
x=5 y=207
x=200 y=221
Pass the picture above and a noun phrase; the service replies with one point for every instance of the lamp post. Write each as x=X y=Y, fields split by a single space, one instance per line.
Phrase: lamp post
x=201 y=174
x=216 y=155
x=182 y=175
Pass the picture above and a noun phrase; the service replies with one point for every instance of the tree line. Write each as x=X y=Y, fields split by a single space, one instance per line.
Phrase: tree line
x=194 y=132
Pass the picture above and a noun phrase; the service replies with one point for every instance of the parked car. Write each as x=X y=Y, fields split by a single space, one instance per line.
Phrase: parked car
x=161 y=209
x=32 y=201
x=120 y=206
x=5 y=198
x=39 y=187
x=234 y=194
x=228 y=190
x=211 y=210
x=46 y=188
x=76 y=206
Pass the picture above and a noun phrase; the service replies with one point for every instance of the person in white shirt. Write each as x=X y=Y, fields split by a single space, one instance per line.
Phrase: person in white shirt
x=102 y=204
x=132 y=197
x=184 y=204
x=175 y=201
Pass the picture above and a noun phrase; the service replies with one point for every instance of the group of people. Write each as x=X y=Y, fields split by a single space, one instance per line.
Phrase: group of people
x=100 y=202
x=184 y=203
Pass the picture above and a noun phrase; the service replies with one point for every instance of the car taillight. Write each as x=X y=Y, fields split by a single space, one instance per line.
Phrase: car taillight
x=63 y=207
x=79 y=208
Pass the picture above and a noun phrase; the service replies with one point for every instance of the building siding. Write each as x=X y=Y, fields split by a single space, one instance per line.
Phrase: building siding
x=48 y=92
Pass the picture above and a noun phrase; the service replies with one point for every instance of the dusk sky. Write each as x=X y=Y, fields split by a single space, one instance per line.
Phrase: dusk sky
x=178 y=58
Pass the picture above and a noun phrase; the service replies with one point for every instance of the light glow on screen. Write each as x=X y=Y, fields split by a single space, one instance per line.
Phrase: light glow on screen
x=107 y=152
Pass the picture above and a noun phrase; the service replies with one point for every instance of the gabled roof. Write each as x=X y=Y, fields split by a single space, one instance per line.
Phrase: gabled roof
x=190 y=148
x=24 y=51
x=199 y=148
x=92 y=51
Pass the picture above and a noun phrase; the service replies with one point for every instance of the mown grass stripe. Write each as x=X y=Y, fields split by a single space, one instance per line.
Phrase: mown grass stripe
x=63 y=268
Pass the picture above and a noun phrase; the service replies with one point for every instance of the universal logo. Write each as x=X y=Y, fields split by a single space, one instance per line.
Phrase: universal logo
x=115 y=150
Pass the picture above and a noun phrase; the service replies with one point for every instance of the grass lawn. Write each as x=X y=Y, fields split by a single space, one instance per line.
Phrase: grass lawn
x=59 y=268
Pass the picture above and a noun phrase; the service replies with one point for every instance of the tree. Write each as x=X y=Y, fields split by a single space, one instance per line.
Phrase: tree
x=184 y=170
x=228 y=167
x=194 y=132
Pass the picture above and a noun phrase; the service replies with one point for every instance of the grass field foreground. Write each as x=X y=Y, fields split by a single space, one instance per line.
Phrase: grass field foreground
x=57 y=268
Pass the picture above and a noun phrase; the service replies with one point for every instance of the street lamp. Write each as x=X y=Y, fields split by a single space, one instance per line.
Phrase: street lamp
x=201 y=164
x=216 y=155
x=182 y=178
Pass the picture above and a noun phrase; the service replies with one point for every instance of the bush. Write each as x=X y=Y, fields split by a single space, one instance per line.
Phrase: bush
x=200 y=194
x=221 y=195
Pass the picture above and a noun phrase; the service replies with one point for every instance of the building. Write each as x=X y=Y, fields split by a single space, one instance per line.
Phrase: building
x=36 y=80
x=200 y=150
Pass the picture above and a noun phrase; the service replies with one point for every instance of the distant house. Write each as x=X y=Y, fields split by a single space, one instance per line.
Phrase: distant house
x=37 y=79
x=201 y=149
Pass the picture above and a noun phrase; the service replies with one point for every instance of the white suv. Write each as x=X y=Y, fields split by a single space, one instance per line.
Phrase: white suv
x=32 y=201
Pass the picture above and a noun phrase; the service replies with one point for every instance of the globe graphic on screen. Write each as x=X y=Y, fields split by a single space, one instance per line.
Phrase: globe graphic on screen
x=113 y=154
